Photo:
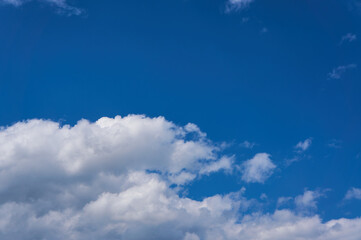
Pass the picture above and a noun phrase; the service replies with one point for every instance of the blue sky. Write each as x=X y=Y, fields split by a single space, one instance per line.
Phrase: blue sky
x=278 y=78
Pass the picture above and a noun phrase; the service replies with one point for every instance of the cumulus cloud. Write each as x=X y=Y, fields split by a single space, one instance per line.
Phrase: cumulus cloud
x=337 y=73
x=353 y=193
x=237 y=5
x=112 y=179
x=303 y=145
x=61 y=6
x=258 y=169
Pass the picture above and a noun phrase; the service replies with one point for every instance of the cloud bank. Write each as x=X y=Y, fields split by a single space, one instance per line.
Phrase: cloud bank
x=113 y=179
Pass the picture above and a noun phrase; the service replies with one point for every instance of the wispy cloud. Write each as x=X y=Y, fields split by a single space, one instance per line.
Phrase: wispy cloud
x=349 y=37
x=334 y=143
x=281 y=201
x=247 y=144
x=61 y=6
x=237 y=5
x=303 y=145
x=340 y=70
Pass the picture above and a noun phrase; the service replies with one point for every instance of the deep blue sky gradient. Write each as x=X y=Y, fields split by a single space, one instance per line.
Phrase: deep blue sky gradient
x=191 y=62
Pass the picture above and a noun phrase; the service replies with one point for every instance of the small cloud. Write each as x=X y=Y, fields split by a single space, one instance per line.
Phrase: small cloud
x=61 y=6
x=355 y=6
x=340 y=70
x=237 y=5
x=307 y=200
x=258 y=169
x=334 y=143
x=15 y=3
x=303 y=146
x=263 y=196
x=247 y=144
x=181 y=178
x=283 y=200
x=263 y=30
x=349 y=37
x=289 y=161
x=245 y=19
x=191 y=236
x=225 y=163
x=353 y=193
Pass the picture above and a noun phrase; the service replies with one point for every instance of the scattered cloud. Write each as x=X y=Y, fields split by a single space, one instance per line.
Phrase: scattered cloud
x=247 y=144
x=340 y=70
x=349 y=37
x=237 y=5
x=258 y=169
x=353 y=193
x=303 y=145
x=61 y=6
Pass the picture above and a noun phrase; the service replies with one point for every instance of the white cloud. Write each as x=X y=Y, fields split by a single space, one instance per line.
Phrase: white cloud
x=237 y=5
x=340 y=70
x=112 y=180
x=349 y=37
x=303 y=146
x=61 y=6
x=258 y=169
x=353 y=193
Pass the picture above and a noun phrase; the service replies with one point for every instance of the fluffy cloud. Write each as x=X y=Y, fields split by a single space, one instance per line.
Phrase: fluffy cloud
x=236 y=5
x=353 y=193
x=258 y=169
x=113 y=179
x=60 y=5
x=340 y=70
